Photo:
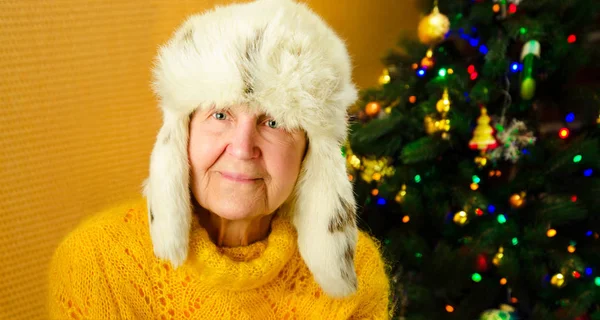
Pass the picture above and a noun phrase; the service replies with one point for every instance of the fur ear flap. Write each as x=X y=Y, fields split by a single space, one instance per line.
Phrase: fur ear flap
x=167 y=191
x=325 y=218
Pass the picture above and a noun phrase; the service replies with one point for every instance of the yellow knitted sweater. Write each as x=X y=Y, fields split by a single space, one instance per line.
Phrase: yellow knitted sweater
x=106 y=269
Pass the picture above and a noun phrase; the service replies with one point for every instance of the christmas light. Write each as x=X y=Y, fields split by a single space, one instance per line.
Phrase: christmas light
x=551 y=233
x=415 y=66
x=491 y=208
x=474 y=42
x=473 y=75
x=514 y=300
x=471 y=69
x=574 y=198
x=412 y=99
x=571 y=249
x=350 y=177
x=450 y=71
x=381 y=201
x=523 y=30
x=476 y=277
x=577 y=158
x=475 y=179
x=449 y=308
x=503 y=281
x=483 y=49
x=588 y=271
x=478 y=212
x=589 y=233
x=501 y=219
x=563 y=133
x=570 y=117
x=417 y=178
x=421 y=72
x=460 y=218
x=418 y=255
x=597 y=281
x=405 y=219
x=374 y=192
x=442 y=72
x=515 y=241
x=572 y=38
x=514 y=67
x=496 y=8
x=512 y=8
x=376 y=176
x=576 y=275
x=474 y=186
x=588 y=172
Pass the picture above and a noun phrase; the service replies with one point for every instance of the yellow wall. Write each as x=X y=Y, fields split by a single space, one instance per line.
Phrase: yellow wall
x=78 y=120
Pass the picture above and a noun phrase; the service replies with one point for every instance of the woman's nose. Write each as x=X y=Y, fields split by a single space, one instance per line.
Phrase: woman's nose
x=243 y=141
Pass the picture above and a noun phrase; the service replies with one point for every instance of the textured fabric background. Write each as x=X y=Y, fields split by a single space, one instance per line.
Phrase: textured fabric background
x=78 y=119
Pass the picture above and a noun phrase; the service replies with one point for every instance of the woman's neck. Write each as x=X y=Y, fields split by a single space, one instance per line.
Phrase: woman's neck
x=234 y=233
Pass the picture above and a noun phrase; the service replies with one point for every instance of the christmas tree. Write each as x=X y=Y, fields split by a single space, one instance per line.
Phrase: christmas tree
x=476 y=162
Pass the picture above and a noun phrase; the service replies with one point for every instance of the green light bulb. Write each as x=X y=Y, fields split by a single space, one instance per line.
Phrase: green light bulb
x=476 y=277
x=476 y=179
x=501 y=219
x=442 y=72
x=515 y=241
x=577 y=158
x=418 y=178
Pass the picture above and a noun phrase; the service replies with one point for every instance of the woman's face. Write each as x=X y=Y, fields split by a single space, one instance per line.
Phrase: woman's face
x=242 y=164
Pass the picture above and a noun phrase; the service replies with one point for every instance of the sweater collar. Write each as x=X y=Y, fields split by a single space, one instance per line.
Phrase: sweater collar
x=246 y=267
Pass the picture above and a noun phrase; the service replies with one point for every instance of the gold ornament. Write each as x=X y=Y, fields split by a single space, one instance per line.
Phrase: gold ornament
x=517 y=200
x=481 y=161
x=401 y=194
x=558 y=280
x=443 y=105
x=498 y=257
x=372 y=108
x=482 y=135
x=430 y=127
x=385 y=77
x=433 y=28
x=460 y=218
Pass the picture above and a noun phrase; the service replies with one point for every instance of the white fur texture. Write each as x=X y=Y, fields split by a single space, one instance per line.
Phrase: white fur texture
x=279 y=58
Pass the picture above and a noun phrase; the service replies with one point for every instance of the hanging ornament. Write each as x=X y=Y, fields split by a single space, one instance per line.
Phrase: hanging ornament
x=434 y=27
x=443 y=105
x=460 y=218
x=512 y=141
x=481 y=263
x=483 y=138
x=439 y=122
x=373 y=108
x=400 y=196
x=529 y=54
x=517 y=200
x=505 y=312
x=498 y=257
x=385 y=77
x=376 y=169
x=558 y=280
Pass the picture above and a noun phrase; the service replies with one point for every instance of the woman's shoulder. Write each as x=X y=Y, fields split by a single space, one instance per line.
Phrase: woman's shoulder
x=368 y=246
x=113 y=223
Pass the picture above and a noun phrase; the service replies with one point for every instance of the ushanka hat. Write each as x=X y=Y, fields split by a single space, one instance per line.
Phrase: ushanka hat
x=278 y=58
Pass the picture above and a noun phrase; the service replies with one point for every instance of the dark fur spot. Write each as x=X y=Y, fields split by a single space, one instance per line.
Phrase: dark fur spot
x=343 y=218
x=188 y=36
x=167 y=138
x=252 y=48
x=349 y=255
x=151 y=217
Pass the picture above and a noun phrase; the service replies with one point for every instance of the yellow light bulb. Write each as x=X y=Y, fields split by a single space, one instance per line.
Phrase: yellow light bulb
x=571 y=249
x=405 y=219
x=551 y=233
x=503 y=281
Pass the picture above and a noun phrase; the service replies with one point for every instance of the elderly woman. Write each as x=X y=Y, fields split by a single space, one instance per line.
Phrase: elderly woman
x=248 y=211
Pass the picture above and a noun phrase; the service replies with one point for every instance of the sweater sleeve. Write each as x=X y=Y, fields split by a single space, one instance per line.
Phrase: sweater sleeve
x=78 y=288
x=374 y=304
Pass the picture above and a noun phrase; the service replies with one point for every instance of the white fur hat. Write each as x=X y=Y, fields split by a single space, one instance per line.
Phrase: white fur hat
x=279 y=58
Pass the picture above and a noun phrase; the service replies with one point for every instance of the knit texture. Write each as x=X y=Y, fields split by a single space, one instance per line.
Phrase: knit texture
x=106 y=269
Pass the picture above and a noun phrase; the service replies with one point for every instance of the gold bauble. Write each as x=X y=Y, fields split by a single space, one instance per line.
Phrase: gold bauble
x=373 y=108
x=460 y=218
x=558 y=280
x=429 y=124
x=443 y=105
x=433 y=28
x=517 y=200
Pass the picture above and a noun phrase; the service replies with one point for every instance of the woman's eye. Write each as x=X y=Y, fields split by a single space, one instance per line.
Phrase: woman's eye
x=272 y=124
x=219 y=115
